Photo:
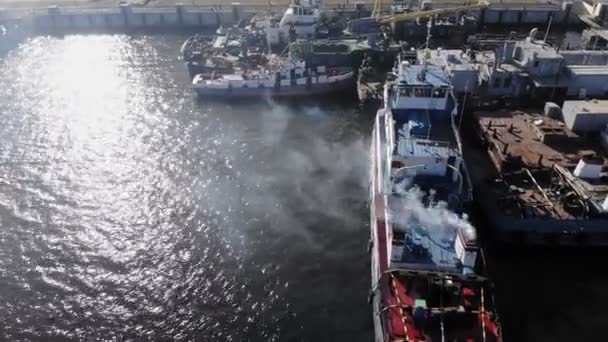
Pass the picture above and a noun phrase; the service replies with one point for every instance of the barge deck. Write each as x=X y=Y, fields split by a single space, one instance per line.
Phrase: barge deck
x=548 y=184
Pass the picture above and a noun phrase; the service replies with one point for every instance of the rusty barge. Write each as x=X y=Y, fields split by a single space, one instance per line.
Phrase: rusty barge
x=547 y=183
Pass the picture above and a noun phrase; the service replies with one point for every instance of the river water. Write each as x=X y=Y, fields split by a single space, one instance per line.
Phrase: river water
x=130 y=209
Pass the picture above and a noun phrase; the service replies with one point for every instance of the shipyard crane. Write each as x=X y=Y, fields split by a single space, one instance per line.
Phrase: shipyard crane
x=377 y=9
x=431 y=13
x=377 y=19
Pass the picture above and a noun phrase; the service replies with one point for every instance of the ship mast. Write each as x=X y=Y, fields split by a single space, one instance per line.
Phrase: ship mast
x=427 y=50
x=429 y=24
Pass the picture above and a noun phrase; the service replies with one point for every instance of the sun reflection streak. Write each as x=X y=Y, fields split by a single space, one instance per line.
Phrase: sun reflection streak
x=134 y=211
x=93 y=109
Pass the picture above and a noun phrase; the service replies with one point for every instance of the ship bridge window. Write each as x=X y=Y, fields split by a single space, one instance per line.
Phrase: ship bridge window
x=439 y=92
x=407 y=91
x=422 y=92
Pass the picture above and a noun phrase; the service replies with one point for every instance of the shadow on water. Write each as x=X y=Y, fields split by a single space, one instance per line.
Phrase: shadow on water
x=311 y=187
x=550 y=294
x=546 y=294
x=131 y=210
x=543 y=294
x=346 y=97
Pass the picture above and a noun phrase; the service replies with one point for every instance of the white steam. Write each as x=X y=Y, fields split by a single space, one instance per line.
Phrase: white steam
x=294 y=169
x=409 y=212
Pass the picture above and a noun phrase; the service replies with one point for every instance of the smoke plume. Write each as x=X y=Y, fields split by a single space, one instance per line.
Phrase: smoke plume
x=294 y=168
x=409 y=211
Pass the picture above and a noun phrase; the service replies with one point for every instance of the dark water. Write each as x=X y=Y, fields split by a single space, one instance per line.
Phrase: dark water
x=129 y=209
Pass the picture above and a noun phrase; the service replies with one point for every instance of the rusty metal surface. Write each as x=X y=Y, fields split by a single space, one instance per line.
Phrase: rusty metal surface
x=534 y=156
x=519 y=139
x=519 y=196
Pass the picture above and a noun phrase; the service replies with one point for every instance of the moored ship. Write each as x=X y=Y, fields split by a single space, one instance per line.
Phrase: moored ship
x=300 y=20
x=280 y=77
x=427 y=269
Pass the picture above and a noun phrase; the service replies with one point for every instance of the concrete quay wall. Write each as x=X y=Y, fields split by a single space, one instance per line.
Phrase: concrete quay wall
x=127 y=18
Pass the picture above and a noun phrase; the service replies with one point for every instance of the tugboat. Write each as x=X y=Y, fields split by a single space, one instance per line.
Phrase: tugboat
x=280 y=77
x=300 y=20
x=427 y=268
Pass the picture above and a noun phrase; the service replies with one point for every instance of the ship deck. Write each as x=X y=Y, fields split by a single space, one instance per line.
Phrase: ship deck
x=528 y=139
x=534 y=157
x=440 y=306
x=423 y=234
x=430 y=126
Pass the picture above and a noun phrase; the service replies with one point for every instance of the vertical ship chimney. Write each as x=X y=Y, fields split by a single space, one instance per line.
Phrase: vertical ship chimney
x=466 y=248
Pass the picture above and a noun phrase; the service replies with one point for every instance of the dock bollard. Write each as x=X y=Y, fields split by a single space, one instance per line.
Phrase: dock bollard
x=53 y=12
x=520 y=16
x=125 y=9
x=566 y=9
x=179 y=9
x=218 y=18
x=482 y=18
x=236 y=11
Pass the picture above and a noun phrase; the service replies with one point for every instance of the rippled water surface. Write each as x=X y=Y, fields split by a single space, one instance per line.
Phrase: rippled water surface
x=131 y=209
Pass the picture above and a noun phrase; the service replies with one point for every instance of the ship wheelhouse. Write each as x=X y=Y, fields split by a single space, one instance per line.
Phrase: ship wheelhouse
x=421 y=87
x=421 y=137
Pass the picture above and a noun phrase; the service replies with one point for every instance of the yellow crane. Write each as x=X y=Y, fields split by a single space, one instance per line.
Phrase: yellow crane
x=431 y=13
x=387 y=19
x=371 y=24
x=377 y=9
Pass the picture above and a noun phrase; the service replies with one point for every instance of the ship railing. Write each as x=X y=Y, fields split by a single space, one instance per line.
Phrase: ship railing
x=433 y=310
x=572 y=182
x=429 y=143
x=545 y=203
x=474 y=278
x=471 y=278
x=453 y=115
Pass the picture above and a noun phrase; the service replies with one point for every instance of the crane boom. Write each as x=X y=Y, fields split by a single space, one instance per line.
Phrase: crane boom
x=377 y=10
x=430 y=13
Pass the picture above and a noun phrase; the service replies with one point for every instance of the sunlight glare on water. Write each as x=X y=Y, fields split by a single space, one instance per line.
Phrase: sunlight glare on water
x=130 y=209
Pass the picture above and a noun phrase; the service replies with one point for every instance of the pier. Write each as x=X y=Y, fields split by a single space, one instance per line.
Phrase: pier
x=84 y=16
x=125 y=18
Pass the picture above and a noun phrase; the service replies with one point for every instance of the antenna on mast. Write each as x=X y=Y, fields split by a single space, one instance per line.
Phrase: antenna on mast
x=548 y=28
x=429 y=24
x=427 y=53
